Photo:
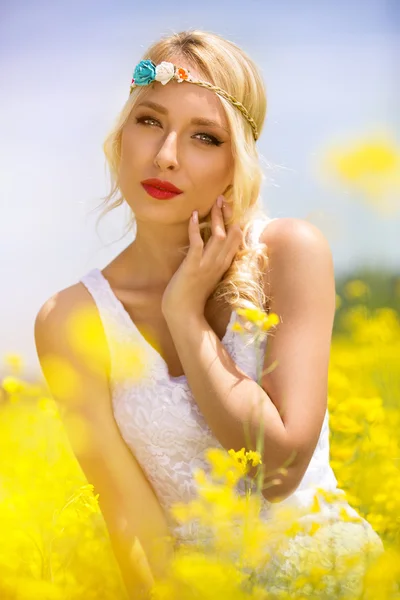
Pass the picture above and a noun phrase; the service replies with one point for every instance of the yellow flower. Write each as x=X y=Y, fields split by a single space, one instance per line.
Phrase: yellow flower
x=377 y=157
x=14 y=361
x=224 y=463
x=342 y=453
x=238 y=455
x=330 y=497
x=47 y=405
x=260 y=319
x=344 y=515
x=314 y=528
x=316 y=506
x=254 y=458
x=238 y=327
x=187 y=512
x=200 y=476
x=294 y=529
x=345 y=424
x=371 y=166
x=13 y=385
x=356 y=289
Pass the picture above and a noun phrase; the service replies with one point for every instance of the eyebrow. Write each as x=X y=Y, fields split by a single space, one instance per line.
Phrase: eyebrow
x=196 y=120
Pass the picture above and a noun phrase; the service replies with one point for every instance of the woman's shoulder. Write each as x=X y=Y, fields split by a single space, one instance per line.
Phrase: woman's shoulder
x=299 y=257
x=286 y=234
x=63 y=303
x=70 y=315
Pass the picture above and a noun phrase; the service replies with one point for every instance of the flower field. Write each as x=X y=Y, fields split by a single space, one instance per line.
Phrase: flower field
x=54 y=543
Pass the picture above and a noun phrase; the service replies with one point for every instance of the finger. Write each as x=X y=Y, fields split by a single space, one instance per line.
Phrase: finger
x=195 y=239
x=227 y=210
x=217 y=221
x=234 y=240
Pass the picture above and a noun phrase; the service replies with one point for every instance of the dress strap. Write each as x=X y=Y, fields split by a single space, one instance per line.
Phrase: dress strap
x=130 y=357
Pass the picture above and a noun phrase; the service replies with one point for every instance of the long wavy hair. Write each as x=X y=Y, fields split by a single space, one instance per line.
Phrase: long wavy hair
x=224 y=64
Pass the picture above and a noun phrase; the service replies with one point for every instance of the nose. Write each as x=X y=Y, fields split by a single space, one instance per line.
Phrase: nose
x=166 y=158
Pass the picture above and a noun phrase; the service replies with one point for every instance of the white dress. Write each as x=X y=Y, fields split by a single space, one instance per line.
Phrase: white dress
x=162 y=425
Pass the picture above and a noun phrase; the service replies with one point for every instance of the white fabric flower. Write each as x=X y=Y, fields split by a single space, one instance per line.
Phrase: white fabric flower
x=164 y=72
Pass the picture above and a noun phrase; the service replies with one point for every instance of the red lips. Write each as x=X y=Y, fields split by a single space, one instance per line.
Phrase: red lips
x=162 y=185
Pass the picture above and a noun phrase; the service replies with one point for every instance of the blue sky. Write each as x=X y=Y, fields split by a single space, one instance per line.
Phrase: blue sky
x=65 y=71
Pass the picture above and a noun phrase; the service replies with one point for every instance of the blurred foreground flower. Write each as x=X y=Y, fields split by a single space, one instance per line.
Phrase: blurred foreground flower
x=53 y=542
x=14 y=362
x=293 y=553
x=371 y=167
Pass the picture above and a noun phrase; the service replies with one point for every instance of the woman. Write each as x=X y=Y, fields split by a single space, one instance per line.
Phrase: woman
x=183 y=156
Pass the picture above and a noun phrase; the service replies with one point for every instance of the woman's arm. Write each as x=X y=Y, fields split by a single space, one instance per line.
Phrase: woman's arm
x=131 y=511
x=293 y=396
x=301 y=282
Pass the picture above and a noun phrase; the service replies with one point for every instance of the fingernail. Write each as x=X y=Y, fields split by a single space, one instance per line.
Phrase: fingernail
x=220 y=199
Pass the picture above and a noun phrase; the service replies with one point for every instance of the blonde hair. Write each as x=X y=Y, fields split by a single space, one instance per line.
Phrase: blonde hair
x=224 y=64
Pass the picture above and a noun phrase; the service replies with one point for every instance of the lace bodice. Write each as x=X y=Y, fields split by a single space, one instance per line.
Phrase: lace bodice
x=158 y=416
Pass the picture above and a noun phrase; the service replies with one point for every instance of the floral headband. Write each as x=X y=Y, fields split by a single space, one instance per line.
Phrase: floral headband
x=147 y=71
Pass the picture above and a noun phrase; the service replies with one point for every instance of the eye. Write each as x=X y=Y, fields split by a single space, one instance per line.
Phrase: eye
x=142 y=119
x=213 y=141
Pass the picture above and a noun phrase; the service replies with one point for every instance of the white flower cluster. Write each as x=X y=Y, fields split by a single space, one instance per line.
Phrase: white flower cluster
x=166 y=71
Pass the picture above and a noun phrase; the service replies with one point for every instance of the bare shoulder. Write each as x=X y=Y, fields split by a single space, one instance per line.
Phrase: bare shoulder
x=60 y=307
x=288 y=234
x=299 y=259
x=68 y=322
x=296 y=240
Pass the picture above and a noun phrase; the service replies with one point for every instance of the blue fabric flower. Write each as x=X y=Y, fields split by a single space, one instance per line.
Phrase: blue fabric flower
x=144 y=72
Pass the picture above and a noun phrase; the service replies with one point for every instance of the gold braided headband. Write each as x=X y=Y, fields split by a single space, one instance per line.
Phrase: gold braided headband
x=147 y=71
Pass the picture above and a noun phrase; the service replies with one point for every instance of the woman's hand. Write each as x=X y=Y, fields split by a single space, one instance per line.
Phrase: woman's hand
x=202 y=269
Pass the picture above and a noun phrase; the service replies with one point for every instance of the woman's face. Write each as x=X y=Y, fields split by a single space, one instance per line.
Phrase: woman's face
x=164 y=143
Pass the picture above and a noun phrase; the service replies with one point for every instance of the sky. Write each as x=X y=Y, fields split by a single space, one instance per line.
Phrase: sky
x=65 y=71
